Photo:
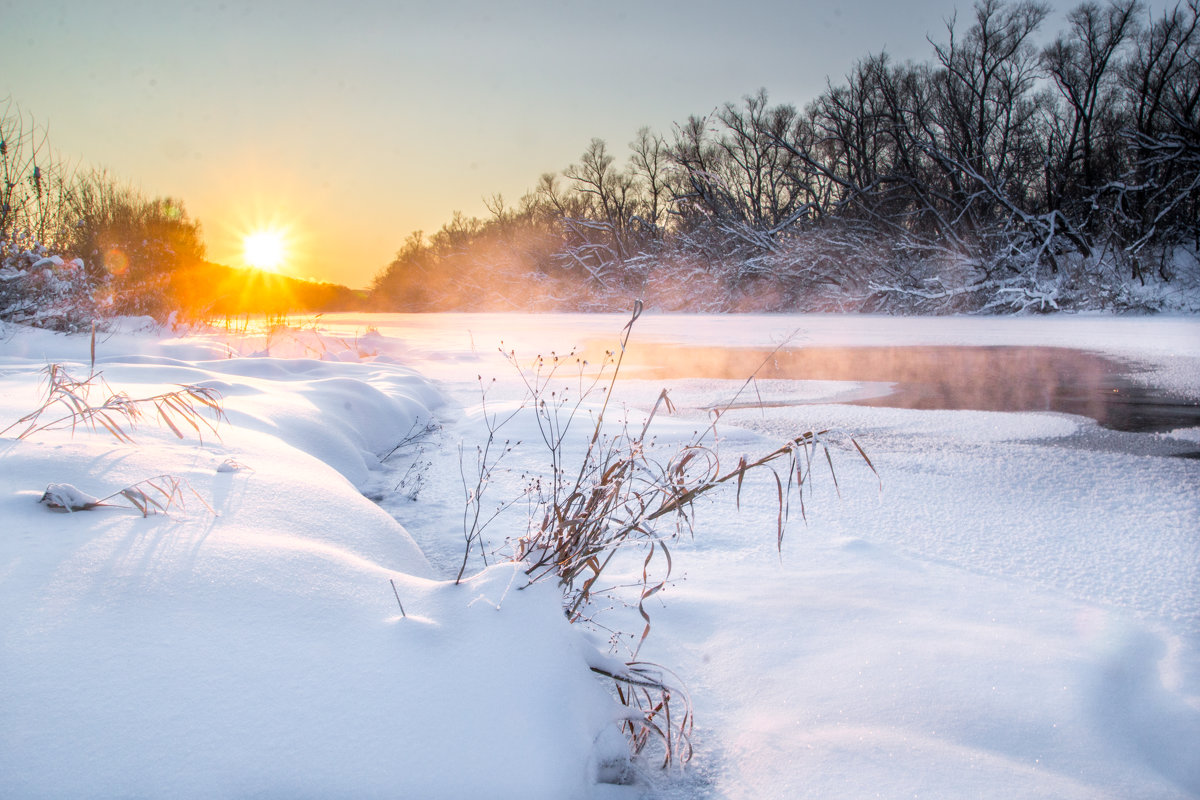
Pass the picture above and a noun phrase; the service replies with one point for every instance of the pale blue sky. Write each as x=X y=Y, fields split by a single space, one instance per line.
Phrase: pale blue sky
x=358 y=122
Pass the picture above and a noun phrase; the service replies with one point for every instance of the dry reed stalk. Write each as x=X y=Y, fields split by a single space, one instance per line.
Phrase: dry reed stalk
x=660 y=711
x=615 y=498
x=118 y=414
x=155 y=495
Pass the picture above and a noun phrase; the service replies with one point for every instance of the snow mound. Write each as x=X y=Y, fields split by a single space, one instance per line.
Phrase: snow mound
x=257 y=648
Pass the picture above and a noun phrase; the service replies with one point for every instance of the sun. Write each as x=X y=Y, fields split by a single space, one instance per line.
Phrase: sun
x=265 y=249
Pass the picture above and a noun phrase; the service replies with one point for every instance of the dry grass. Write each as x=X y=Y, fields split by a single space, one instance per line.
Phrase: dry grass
x=413 y=446
x=659 y=710
x=157 y=495
x=618 y=497
x=189 y=407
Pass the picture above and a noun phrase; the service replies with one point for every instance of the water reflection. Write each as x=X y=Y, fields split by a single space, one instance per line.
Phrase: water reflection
x=978 y=378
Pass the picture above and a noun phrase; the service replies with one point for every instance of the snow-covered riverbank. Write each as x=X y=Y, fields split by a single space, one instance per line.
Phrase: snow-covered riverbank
x=1015 y=612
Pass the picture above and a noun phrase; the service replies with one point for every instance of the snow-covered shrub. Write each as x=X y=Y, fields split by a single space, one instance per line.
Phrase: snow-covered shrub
x=134 y=245
x=46 y=290
x=77 y=247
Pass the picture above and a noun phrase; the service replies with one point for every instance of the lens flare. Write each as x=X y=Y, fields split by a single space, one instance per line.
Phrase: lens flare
x=115 y=262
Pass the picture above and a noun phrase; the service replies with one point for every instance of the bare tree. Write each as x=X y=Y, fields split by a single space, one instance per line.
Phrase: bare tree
x=761 y=177
x=1083 y=65
x=1159 y=198
x=984 y=113
x=609 y=191
x=649 y=163
x=702 y=193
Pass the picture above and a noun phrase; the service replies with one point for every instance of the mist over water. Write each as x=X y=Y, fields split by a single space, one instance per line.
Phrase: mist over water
x=999 y=378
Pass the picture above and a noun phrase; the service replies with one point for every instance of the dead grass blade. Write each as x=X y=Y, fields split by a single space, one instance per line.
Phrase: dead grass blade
x=118 y=414
x=659 y=710
x=158 y=495
x=397 y=593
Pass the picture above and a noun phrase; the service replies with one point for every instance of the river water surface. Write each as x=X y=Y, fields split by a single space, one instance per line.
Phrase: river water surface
x=1065 y=365
x=999 y=378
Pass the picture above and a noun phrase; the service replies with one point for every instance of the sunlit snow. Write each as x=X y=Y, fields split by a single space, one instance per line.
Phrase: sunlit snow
x=1010 y=608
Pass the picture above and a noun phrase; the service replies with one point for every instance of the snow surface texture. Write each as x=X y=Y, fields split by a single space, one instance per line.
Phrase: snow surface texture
x=1015 y=613
x=260 y=650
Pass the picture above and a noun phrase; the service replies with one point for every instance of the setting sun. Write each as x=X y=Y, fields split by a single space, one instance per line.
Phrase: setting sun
x=265 y=250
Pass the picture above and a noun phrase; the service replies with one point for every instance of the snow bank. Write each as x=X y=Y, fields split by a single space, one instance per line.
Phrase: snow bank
x=259 y=650
x=1014 y=612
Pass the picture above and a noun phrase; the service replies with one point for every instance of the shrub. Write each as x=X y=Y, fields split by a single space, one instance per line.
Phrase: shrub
x=621 y=498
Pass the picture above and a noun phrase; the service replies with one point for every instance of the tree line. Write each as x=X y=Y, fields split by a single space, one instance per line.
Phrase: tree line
x=1000 y=174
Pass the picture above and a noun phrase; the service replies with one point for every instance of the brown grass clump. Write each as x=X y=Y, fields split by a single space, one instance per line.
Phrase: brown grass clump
x=621 y=496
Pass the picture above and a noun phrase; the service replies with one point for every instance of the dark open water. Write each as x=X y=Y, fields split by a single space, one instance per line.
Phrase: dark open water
x=931 y=378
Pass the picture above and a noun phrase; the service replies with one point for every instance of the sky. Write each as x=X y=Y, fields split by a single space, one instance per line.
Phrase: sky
x=353 y=124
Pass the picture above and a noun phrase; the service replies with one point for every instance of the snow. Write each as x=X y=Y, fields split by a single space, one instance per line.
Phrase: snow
x=1010 y=608
x=48 y=261
x=65 y=497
